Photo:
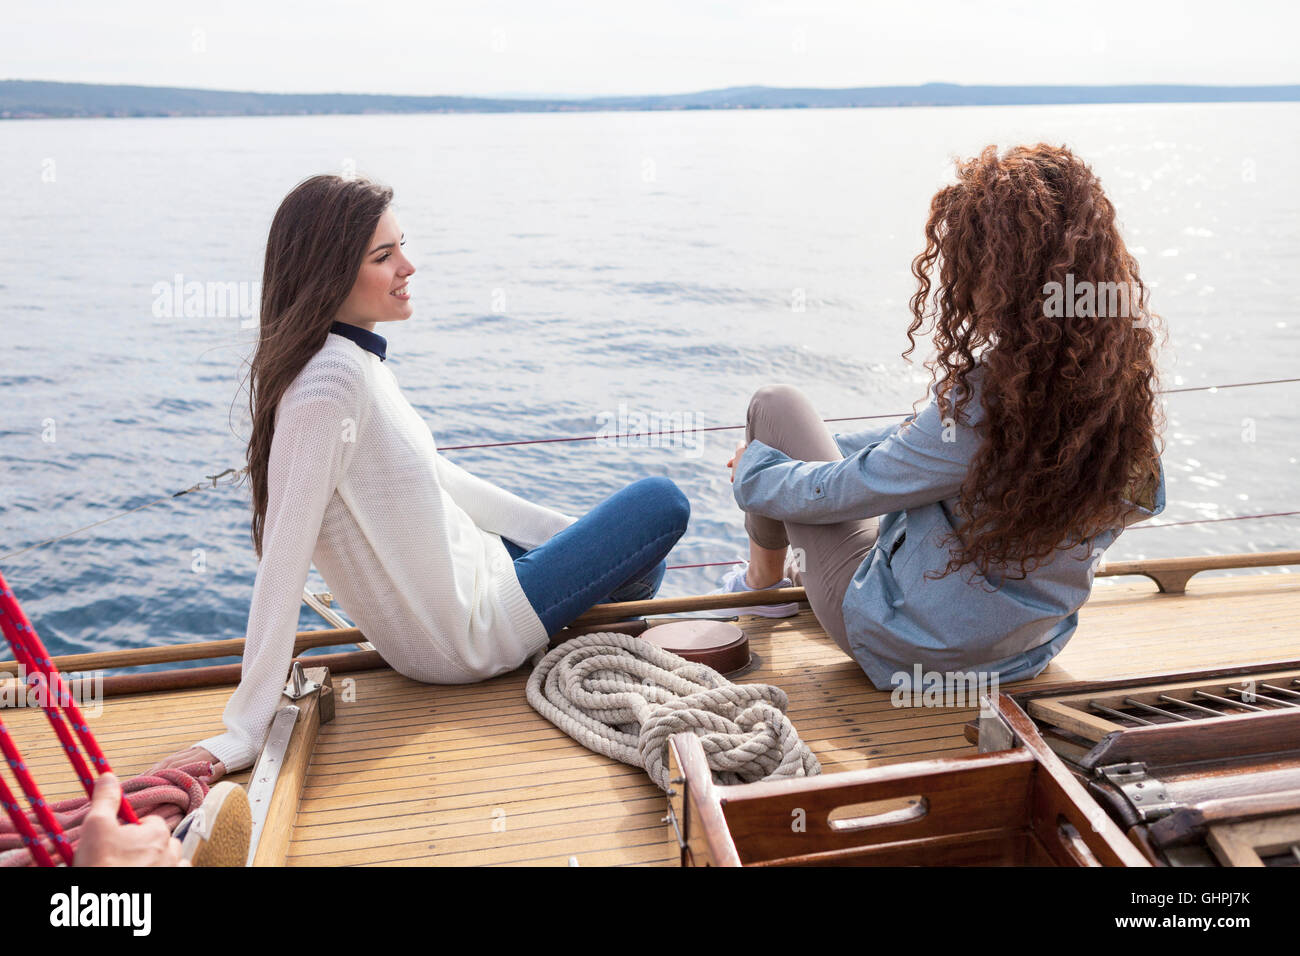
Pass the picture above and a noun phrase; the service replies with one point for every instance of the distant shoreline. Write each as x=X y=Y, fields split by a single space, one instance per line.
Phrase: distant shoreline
x=40 y=99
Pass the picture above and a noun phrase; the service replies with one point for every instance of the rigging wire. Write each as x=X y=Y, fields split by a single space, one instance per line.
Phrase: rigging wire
x=214 y=479
x=851 y=418
x=231 y=477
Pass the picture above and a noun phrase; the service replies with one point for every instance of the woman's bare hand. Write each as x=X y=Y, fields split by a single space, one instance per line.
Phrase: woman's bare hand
x=740 y=450
x=191 y=755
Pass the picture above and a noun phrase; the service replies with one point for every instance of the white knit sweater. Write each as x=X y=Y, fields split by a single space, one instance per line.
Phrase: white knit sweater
x=409 y=543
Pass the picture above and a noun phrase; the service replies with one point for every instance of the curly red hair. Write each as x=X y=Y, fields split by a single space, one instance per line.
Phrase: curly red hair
x=1070 y=400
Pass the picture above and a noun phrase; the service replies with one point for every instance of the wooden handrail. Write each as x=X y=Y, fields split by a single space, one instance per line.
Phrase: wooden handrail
x=202 y=651
x=1171 y=574
x=605 y=613
x=190 y=678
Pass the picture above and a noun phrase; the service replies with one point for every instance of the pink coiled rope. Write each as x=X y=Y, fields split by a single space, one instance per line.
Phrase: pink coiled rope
x=169 y=794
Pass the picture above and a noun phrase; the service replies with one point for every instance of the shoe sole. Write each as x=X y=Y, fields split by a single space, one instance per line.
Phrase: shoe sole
x=220 y=834
x=765 y=610
x=757 y=610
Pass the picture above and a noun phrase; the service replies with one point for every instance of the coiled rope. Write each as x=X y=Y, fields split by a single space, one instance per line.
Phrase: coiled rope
x=624 y=697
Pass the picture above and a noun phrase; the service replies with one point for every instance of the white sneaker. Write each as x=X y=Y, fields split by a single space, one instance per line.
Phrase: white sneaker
x=734 y=583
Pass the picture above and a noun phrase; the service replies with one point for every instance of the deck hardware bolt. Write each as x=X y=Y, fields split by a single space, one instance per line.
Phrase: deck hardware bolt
x=299 y=686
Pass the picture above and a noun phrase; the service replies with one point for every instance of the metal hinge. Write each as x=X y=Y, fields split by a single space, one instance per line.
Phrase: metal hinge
x=1145 y=794
x=671 y=817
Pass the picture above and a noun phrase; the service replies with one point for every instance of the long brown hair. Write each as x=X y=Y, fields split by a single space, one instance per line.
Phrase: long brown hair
x=1070 y=400
x=315 y=248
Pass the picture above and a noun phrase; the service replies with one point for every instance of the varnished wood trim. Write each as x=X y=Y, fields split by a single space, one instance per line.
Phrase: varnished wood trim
x=273 y=845
x=1143 y=679
x=1171 y=574
x=174 y=653
x=704 y=825
x=1060 y=795
x=1217 y=738
x=1245 y=843
x=221 y=675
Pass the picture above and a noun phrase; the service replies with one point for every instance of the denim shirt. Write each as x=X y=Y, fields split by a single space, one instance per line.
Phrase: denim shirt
x=910 y=477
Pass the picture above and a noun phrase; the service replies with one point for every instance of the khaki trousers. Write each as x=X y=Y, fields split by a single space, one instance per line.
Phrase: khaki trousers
x=824 y=557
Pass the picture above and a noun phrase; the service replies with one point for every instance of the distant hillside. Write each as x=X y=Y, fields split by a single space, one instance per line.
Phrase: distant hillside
x=40 y=99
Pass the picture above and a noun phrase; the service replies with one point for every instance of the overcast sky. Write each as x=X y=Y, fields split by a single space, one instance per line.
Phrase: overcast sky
x=566 y=47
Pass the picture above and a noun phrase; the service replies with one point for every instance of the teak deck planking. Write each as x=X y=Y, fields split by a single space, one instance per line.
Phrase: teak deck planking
x=412 y=774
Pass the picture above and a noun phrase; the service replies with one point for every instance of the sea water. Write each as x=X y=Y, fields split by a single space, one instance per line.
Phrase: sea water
x=577 y=273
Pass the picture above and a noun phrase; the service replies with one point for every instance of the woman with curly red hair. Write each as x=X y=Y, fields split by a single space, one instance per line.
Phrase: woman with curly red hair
x=966 y=538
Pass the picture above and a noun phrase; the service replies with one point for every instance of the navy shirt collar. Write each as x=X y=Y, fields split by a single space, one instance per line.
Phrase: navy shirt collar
x=369 y=341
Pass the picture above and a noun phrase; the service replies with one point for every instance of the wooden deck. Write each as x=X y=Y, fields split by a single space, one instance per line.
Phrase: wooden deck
x=412 y=774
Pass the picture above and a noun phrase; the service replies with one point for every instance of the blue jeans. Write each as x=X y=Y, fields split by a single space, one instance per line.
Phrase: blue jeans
x=615 y=552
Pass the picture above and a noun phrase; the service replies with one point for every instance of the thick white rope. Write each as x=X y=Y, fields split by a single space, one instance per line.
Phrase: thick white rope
x=624 y=697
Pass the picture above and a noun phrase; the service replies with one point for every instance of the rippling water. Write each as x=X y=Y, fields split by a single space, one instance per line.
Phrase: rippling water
x=572 y=265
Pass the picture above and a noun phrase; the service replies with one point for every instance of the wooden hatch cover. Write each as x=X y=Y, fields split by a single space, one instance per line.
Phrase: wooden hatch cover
x=717 y=644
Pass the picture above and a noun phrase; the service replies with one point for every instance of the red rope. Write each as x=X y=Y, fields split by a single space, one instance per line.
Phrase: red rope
x=55 y=699
x=31 y=653
x=55 y=717
x=33 y=793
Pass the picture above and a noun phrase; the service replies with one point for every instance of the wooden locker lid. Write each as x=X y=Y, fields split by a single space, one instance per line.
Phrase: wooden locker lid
x=717 y=644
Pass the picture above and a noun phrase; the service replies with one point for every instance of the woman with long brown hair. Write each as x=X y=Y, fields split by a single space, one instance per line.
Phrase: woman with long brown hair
x=966 y=538
x=452 y=579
